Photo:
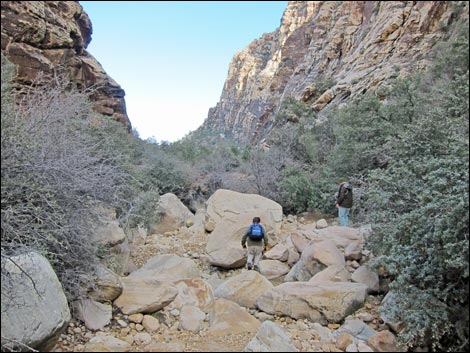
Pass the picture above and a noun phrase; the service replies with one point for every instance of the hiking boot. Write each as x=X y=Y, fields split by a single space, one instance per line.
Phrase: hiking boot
x=248 y=266
x=256 y=268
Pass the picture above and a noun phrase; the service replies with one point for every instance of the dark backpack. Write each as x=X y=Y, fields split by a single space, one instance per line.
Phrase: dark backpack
x=256 y=233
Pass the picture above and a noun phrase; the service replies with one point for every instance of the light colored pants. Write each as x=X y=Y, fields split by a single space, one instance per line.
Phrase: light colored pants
x=254 y=254
x=343 y=214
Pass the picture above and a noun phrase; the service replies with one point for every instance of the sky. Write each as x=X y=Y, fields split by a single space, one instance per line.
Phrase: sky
x=172 y=57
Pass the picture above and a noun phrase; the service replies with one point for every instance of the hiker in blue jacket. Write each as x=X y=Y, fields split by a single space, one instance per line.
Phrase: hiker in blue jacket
x=254 y=237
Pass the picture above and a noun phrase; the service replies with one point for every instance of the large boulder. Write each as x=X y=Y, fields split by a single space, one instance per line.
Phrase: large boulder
x=228 y=215
x=224 y=243
x=316 y=257
x=145 y=295
x=173 y=214
x=226 y=205
x=107 y=286
x=341 y=236
x=272 y=269
x=109 y=233
x=327 y=302
x=167 y=267
x=194 y=292
x=95 y=315
x=244 y=288
x=151 y=287
x=279 y=252
x=334 y=273
x=367 y=276
x=34 y=306
x=231 y=319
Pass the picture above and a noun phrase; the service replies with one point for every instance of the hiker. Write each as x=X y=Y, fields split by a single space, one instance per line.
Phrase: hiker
x=344 y=202
x=254 y=237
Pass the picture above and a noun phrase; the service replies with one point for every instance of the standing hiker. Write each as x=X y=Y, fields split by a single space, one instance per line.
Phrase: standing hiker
x=254 y=237
x=344 y=202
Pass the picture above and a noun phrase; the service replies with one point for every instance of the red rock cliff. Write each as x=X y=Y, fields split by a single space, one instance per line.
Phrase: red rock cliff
x=45 y=35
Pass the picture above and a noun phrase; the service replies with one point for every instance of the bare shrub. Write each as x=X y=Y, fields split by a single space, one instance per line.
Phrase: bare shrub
x=58 y=162
x=266 y=168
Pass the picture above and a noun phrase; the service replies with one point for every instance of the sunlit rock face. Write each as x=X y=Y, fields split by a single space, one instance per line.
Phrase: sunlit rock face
x=324 y=53
x=52 y=36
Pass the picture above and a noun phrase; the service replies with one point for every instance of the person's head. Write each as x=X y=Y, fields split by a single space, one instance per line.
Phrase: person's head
x=256 y=220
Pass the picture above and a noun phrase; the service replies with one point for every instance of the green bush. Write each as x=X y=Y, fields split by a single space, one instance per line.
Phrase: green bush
x=296 y=190
x=293 y=110
x=420 y=205
x=362 y=133
x=421 y=224
x=160 y=170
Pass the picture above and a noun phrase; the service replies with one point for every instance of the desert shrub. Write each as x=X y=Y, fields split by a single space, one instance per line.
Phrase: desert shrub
x=420 y=205
x=296 y=190
x=421 y=238
x=162 y=171
x=362 y=132
x=142 y=210
x=224 y=156
x=266 y=167
x=58 y=163
x=293 y=110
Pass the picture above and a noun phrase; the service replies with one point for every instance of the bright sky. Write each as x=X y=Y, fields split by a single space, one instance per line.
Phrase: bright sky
x=172 y=57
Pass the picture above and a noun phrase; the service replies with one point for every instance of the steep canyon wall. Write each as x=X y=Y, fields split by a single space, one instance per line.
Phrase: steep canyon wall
x=324 y=53
x=52 y=36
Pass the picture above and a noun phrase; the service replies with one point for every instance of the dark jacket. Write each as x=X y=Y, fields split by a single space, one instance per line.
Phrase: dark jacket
x=246 y=238
x=345 y=195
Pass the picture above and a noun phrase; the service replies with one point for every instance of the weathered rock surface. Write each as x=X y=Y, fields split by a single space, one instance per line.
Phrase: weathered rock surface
x=50 y=36
x=95 y=315
x=321 y=302
x=270 y=338
x=173 y=214
x=34 y=309
x=325 y=52
x=244 y=288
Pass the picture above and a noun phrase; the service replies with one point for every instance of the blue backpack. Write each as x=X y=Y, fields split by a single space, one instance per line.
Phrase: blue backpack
x=256 y=232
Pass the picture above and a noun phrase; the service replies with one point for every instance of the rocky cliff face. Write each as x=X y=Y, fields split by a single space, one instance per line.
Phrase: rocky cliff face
x=43 y=36
x=325 y=52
